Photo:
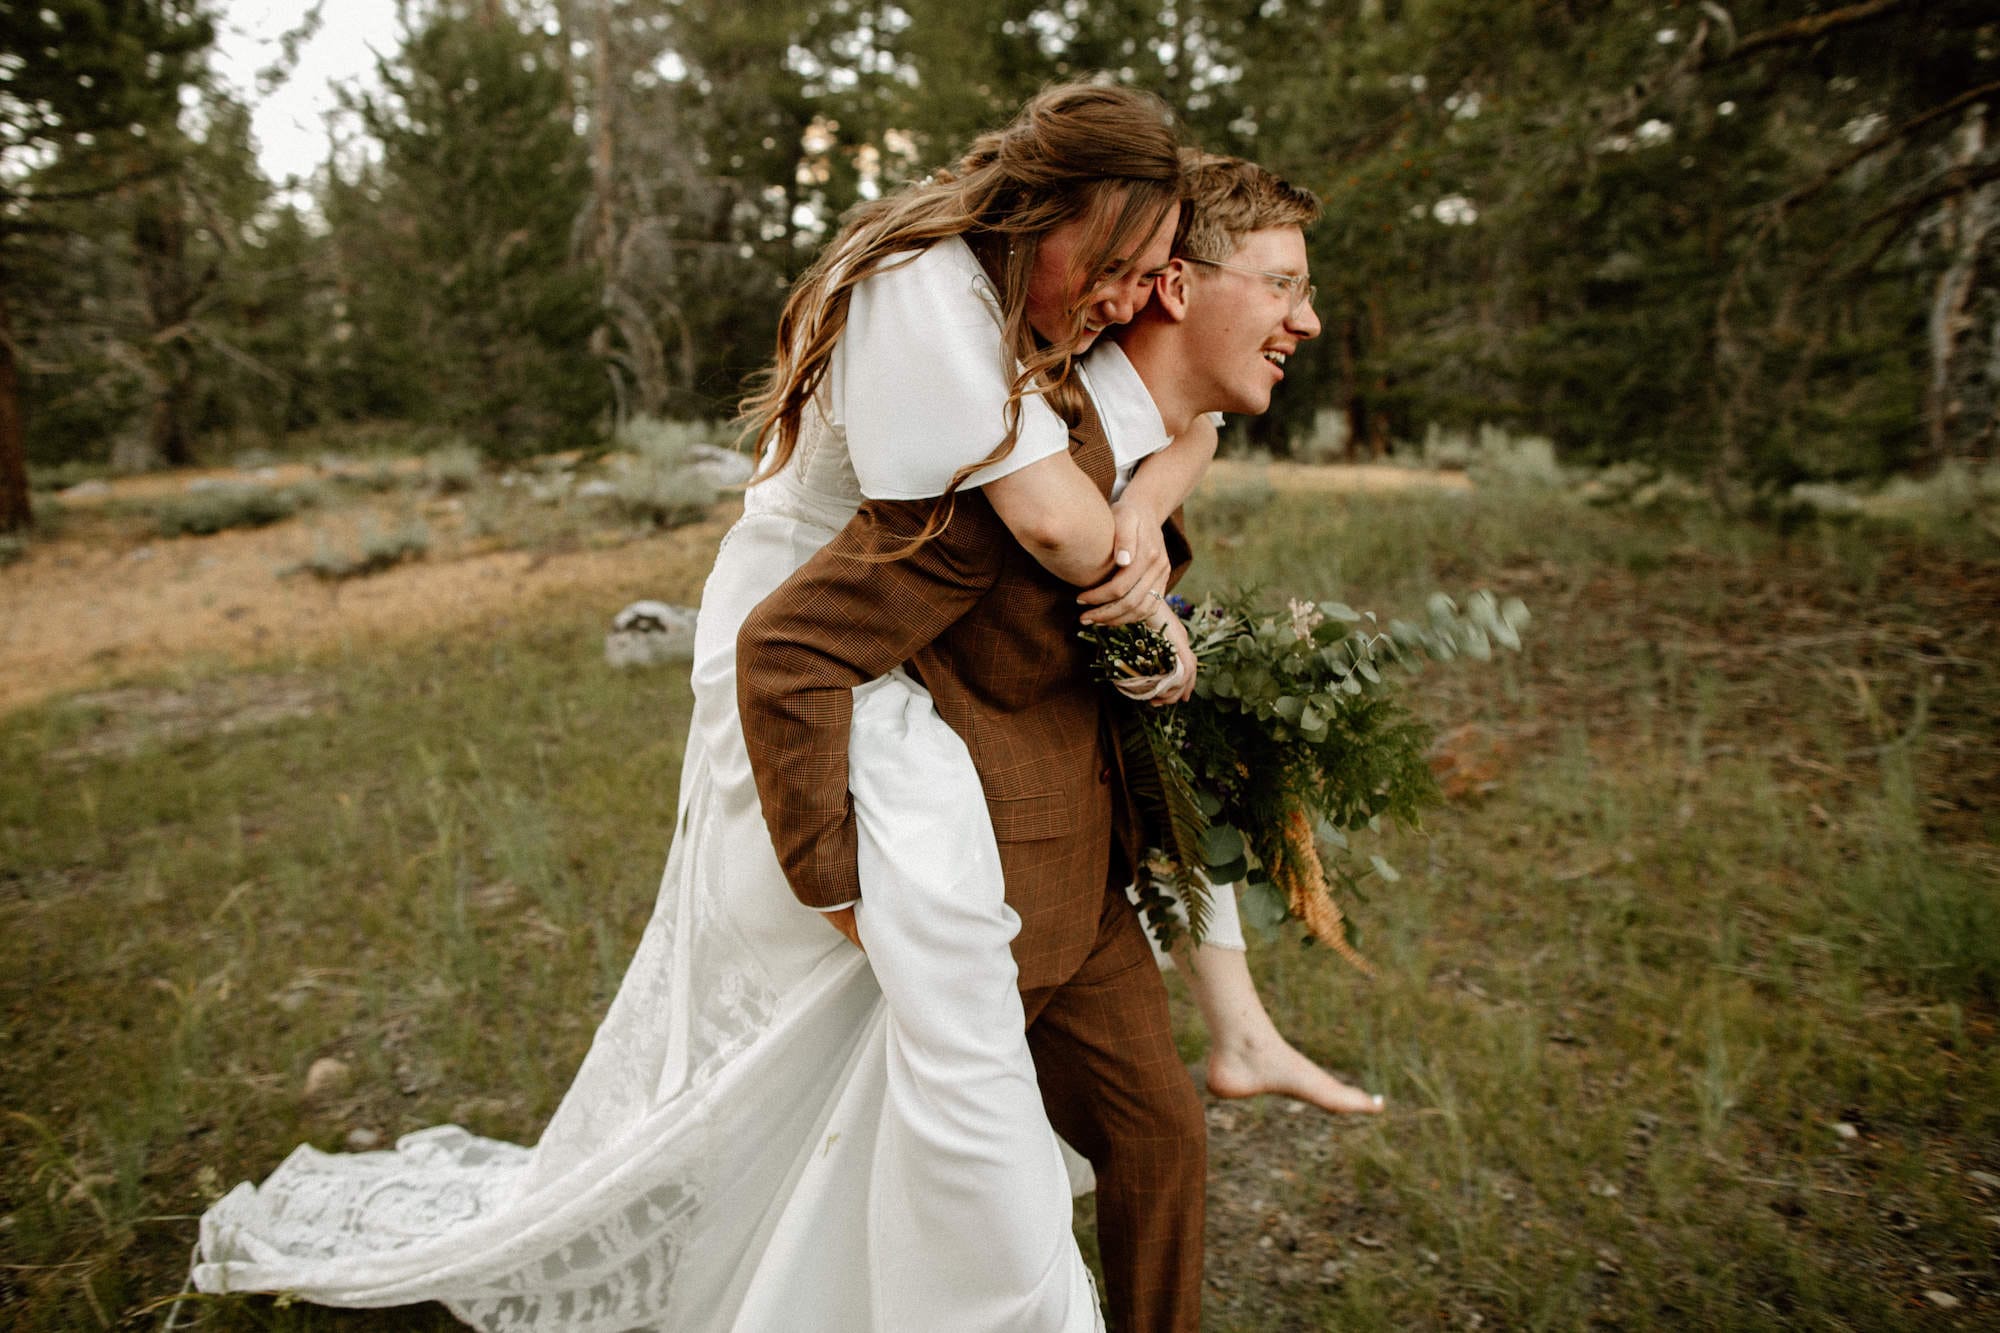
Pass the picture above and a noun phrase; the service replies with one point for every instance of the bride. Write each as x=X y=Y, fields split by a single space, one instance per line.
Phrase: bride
x=729 y=1155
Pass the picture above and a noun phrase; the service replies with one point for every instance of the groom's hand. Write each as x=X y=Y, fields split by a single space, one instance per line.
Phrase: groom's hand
x=1185 y=665
x=842 y=920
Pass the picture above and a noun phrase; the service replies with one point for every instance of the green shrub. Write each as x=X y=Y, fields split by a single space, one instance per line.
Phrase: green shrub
x=453 y=468
x=374 y=480
x=219 y=508
x=653 y=477
x=376 y=552
x=62 y=476
x=1325 y=441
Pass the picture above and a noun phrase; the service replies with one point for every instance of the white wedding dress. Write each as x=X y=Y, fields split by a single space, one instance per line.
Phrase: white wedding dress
x=771 y=1131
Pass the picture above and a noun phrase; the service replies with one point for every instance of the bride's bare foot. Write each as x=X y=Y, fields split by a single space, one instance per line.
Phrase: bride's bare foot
x=1247 y=1055
x=1251 y=1066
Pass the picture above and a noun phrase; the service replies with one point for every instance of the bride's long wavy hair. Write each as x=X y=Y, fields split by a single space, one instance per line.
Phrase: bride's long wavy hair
x=1077 y=150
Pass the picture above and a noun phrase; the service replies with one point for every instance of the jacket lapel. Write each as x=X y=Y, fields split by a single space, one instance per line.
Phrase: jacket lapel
x=1091 y=448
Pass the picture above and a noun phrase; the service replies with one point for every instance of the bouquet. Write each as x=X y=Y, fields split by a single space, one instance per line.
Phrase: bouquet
x=1293 y=737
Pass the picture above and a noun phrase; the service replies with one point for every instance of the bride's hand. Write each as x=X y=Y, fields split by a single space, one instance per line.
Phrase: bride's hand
x=1127 y=596
x=842 y=920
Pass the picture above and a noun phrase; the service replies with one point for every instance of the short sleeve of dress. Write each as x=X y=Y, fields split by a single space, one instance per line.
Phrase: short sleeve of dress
x=919 y=384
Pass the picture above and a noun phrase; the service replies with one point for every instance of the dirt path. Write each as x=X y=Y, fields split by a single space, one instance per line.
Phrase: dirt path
x=80 y=613
x=83 y=611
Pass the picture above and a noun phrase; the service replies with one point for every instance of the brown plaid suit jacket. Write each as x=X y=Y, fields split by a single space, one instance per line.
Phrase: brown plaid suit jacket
x=992 y=636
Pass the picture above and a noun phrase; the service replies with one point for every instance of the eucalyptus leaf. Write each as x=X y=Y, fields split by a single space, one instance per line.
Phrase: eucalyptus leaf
x=1229 y=872
x=1384 y=869
x=1340 y=611
x=1221 y=844
x=1264 y=905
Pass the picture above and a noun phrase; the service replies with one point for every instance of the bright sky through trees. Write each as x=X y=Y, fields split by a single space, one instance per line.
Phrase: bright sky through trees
x=289 y=123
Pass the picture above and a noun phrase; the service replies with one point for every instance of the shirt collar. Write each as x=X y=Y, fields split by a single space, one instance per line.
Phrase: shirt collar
x=1131 y=420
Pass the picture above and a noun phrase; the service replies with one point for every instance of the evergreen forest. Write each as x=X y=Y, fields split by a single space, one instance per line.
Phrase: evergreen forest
x=1755 y=243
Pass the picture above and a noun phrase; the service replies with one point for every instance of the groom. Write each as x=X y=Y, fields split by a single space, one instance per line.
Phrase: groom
x=992 y=636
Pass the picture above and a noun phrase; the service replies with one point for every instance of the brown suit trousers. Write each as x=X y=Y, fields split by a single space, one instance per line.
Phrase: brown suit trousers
x=992 y=636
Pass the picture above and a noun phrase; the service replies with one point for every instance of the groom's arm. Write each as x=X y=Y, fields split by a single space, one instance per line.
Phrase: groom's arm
x=847 y=616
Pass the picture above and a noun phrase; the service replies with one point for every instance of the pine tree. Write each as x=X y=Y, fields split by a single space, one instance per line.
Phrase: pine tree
x=460 y=302
x=92 y=92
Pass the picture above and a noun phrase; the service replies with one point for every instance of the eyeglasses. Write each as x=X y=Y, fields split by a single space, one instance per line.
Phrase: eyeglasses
x=1295 y=285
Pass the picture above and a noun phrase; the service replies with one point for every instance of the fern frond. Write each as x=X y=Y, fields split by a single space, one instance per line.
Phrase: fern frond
x=1163 y=782
x=1303 y=879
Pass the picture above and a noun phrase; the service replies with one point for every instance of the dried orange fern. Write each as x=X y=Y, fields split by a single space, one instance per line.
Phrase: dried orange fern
x=1303 y=879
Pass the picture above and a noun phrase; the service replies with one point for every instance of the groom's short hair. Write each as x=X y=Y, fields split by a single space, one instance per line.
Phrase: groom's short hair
x=1228 y=198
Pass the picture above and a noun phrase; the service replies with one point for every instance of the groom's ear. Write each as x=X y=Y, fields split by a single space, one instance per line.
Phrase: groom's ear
x=1171 y=291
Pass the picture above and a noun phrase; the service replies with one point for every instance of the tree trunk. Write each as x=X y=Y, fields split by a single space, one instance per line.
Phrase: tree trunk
x=1350 y=388
x=604 y=185
x=1378 y=414
x=16 y=512
x=159 y=235
x=173 y=403
x=1966 y=222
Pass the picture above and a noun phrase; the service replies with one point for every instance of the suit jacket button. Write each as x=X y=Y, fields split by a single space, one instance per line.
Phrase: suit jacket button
x=1104 y=775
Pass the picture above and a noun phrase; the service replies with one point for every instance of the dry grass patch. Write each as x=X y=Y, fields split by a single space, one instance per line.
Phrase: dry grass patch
x=130 y=719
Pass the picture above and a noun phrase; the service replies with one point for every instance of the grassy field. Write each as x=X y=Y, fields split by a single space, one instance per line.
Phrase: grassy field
x=1687 y=1005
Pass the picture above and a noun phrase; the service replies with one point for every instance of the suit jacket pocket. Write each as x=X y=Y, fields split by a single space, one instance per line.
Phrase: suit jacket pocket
x=1030 y=818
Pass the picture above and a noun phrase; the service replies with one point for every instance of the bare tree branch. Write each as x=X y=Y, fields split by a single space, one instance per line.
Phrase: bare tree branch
x=1776 y=212
x=239 y=356
x=1951 y=184
x=1957 y=181
x=93 y=191
x=1983 y=93
x=1814 y=26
